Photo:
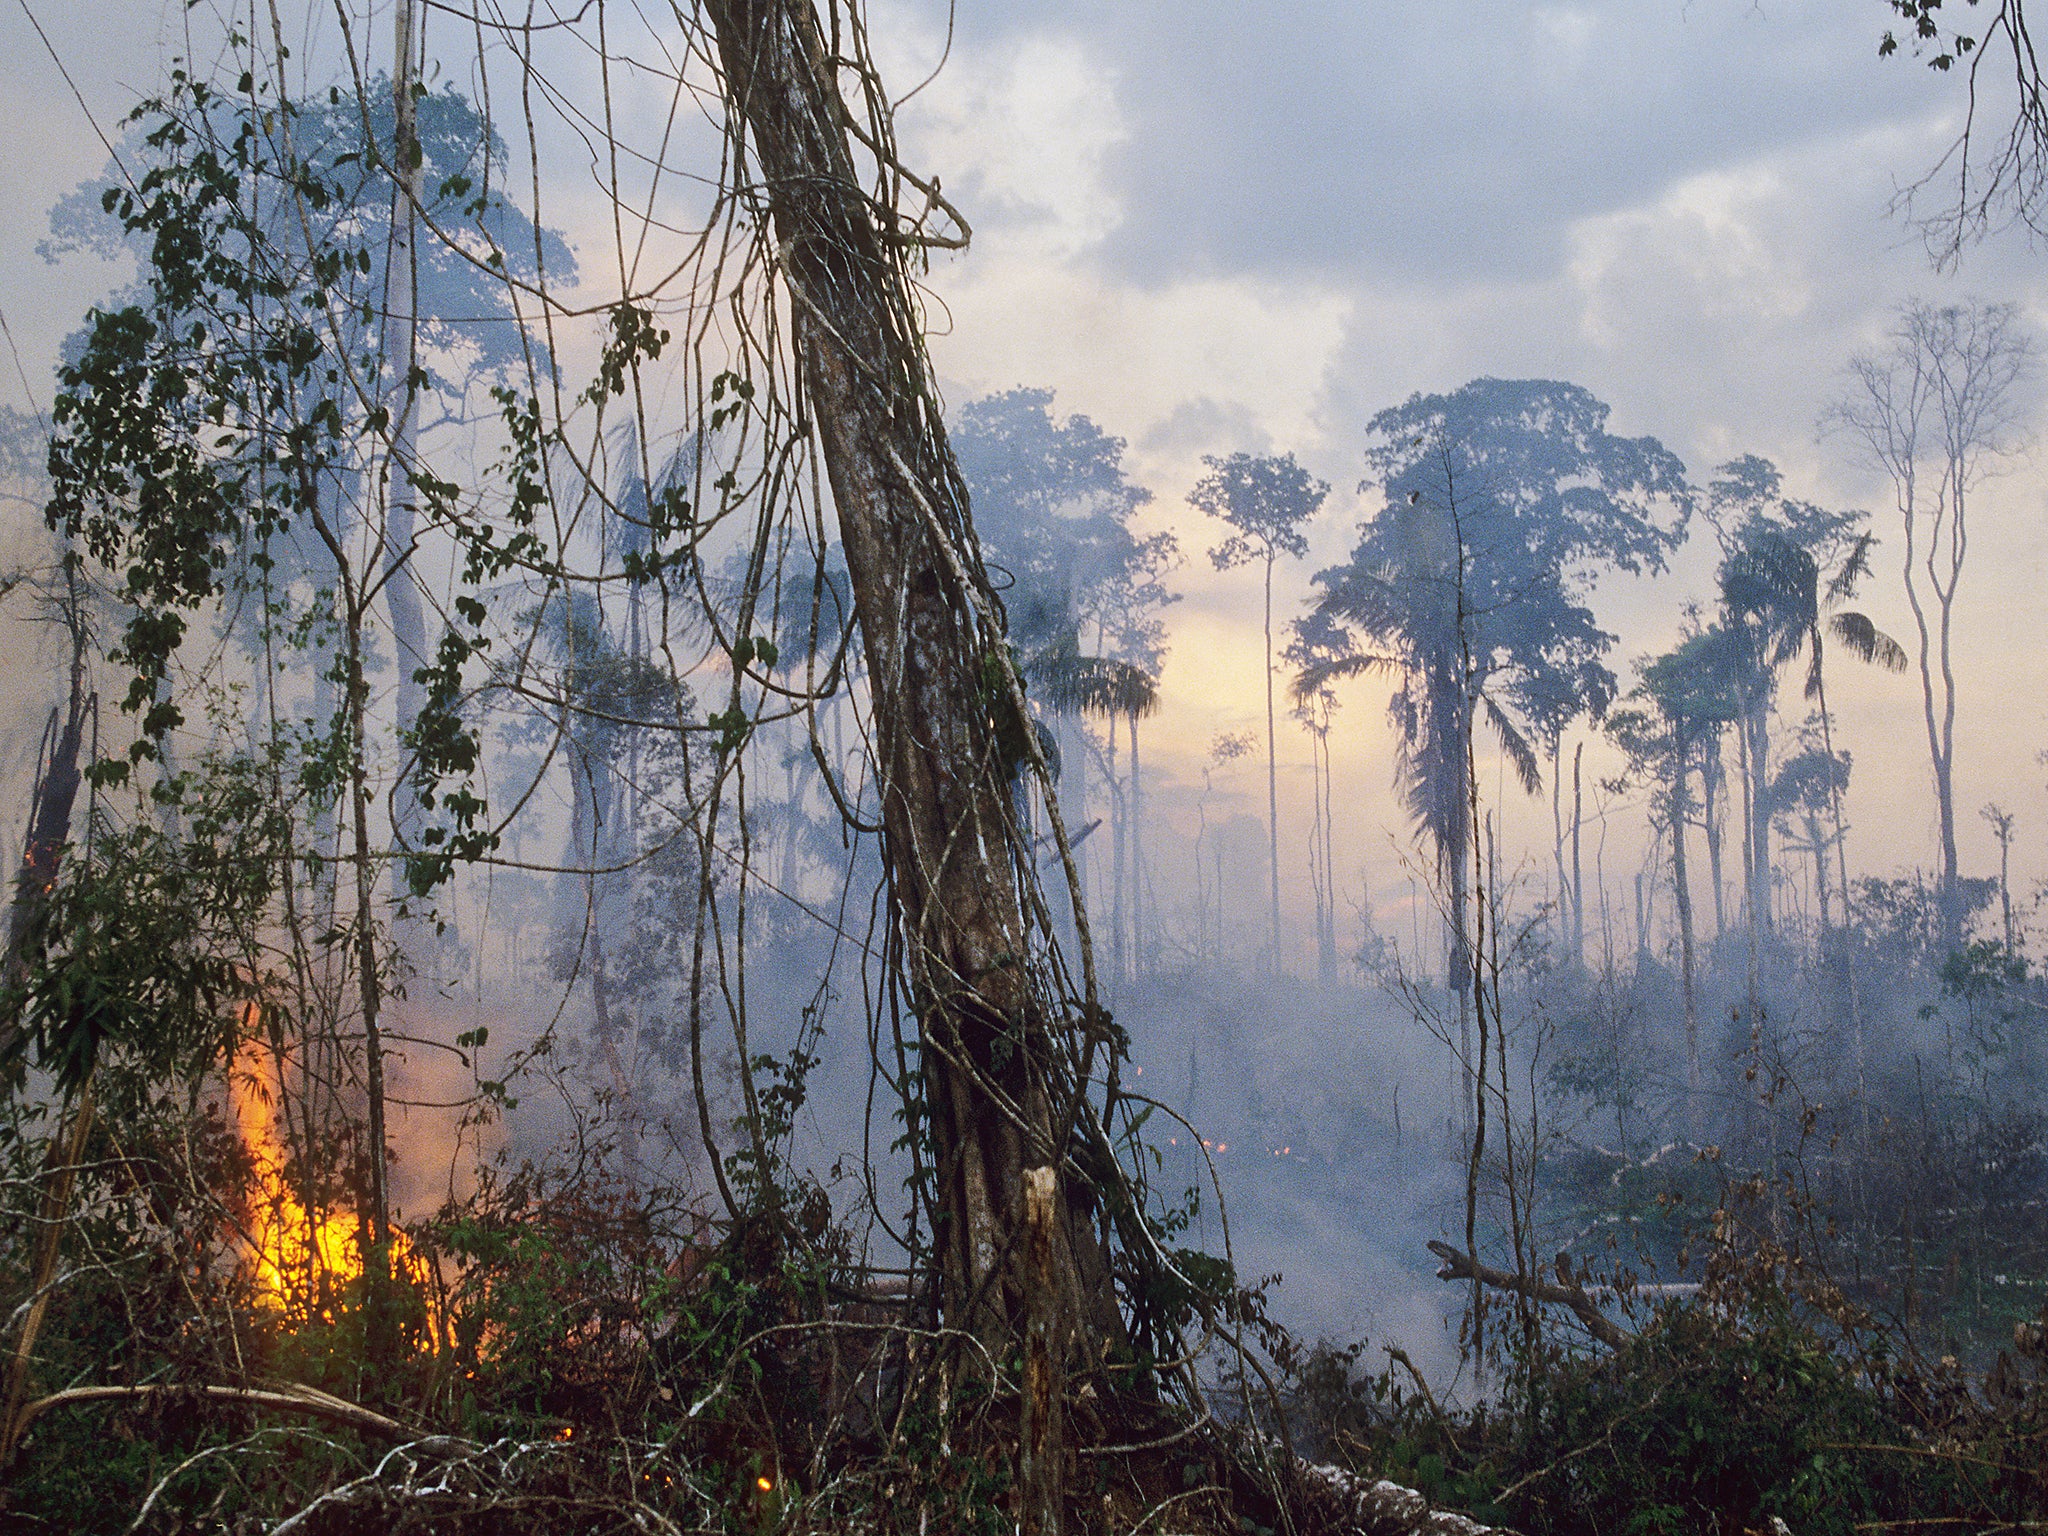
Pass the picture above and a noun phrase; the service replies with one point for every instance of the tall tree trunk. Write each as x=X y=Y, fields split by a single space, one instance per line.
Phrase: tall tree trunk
x=1564 y=892
x=1462 y=969
x=49 y=825
x=1681 y=885
x=1272 y=774
x=1140 y=945
x=1710 y=824
x=1945 y=788
x=1119 y=828
x=1578 y=869
x=1951 y=925
x=400 y=344
x=996 y=1090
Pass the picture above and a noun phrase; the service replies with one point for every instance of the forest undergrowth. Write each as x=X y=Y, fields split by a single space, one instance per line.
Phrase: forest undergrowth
x=562 y=1350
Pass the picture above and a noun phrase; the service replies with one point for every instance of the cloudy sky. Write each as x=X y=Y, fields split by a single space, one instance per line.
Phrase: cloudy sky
x=1251 y=226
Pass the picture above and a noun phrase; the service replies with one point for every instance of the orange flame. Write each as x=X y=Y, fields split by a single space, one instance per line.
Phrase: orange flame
x=290 y=1246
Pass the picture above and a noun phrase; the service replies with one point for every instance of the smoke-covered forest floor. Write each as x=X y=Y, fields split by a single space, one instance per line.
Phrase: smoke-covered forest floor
x=1798 y=1316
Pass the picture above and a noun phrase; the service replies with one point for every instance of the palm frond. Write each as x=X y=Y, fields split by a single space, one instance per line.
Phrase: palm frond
x=1867 y=641
x=1312 y=679
x=1855 y=566
x=1519 y=752
x=1068 y=683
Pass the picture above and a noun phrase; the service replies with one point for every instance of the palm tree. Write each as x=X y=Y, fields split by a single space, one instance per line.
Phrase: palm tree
x=1774 y=585
x=1776 y=582
x=1070 y=684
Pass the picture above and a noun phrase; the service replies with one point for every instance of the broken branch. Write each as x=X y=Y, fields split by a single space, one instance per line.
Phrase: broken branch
x=1564 y=1292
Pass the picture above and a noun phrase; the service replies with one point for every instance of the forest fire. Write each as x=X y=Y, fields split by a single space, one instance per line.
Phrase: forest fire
x=296 y=1253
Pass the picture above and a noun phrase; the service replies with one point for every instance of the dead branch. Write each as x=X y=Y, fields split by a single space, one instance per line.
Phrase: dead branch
x=1564 y=1292
x=293 y=1398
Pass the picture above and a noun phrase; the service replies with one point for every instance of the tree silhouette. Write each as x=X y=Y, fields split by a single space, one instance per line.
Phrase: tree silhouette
x=1053 y=509
x=1669 y=727
x=1317 y=643
x=1777 y=606
x=1934 y=410
x=1503 y=501
x=1266 y=501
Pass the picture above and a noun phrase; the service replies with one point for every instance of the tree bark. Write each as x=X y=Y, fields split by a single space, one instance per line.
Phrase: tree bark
x=996 y=1078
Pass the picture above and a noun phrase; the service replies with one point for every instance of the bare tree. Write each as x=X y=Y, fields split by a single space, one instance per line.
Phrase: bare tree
x=1935 y=410
x=1998 y=170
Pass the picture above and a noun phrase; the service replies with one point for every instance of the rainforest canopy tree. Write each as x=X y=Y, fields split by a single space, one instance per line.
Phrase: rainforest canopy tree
x=1503 y=502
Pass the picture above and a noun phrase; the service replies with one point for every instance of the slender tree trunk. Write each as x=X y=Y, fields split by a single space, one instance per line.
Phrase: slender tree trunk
x=1945 y=775
x=369 y=981
x=1074 y=756
x=1710 y=823
x=351 y=599
x=1119 y=820
x=1564 y=895
x=1140 y=943
x=1272 y=775
x=1681 y=886
x=401 y=400
x=1937 y=760
x=49 y=826
x=992 y=1080
x=1752 y=923
x=1475 y=981
x=1760 y=821
x=2005 y=891
x=1461 y=969
x=1578 y=872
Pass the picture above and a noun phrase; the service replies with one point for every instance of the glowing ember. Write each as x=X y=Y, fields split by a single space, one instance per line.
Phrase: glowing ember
x=764 y=1484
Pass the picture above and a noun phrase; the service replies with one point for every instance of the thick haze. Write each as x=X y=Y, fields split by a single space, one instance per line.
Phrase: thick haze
x=1234 y=227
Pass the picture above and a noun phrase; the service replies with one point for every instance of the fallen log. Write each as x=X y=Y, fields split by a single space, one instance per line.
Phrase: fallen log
x=1376 y=1507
